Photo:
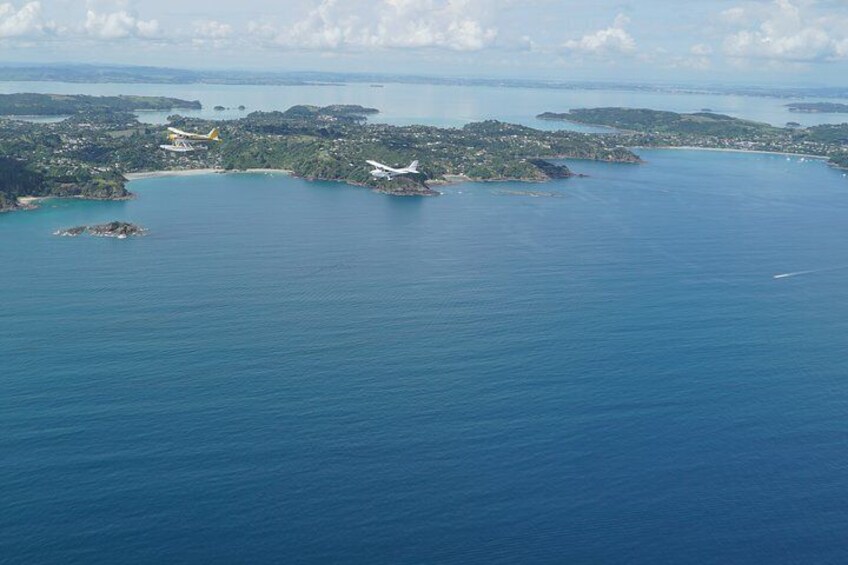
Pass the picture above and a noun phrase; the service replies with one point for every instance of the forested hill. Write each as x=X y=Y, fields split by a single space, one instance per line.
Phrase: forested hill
x=87 y=154
x=30 y=104
x=17 y=179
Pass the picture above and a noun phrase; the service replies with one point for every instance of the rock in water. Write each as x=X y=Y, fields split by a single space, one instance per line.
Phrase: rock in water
x=120 y=230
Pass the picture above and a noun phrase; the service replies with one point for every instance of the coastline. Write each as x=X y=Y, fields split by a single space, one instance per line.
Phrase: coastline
x=25 y=203
x=194 y=172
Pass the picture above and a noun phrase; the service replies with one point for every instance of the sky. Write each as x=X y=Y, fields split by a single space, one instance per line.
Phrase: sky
x=707 y=41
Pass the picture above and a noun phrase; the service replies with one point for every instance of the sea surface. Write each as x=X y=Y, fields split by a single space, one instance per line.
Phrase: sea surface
x=437 y=105
x=593 y=370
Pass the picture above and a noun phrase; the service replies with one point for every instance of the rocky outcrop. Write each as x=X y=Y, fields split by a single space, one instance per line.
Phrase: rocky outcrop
x=405 y=186
x=119 y=230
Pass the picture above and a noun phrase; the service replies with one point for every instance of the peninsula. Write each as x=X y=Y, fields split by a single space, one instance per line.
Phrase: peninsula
x=653 y=128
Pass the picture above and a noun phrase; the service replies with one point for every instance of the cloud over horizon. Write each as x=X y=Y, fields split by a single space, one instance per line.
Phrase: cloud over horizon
x=659 y=37
x=409 y=24
x=118 y=25
x=25 y=21
x=788 y=31
x=608 y=41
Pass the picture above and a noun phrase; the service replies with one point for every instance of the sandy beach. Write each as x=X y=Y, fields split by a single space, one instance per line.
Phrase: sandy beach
x=180 y=173
x=29 y=200
x=732 y=150
x=194 y=172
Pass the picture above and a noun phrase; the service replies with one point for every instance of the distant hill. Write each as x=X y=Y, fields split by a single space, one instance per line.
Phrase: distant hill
x=827 y=133
x=18 y=179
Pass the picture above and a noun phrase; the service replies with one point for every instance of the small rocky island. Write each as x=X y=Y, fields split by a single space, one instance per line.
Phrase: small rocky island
x=119 y=230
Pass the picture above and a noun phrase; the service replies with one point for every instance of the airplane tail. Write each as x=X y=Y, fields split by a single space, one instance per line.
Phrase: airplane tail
x=213 y=135
x=413 y=166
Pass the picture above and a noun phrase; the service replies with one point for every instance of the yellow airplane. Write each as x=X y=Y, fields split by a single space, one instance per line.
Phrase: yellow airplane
x=185 y=142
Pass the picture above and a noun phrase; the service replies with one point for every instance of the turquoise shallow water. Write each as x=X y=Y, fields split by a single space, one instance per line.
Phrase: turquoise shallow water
x=286 y=371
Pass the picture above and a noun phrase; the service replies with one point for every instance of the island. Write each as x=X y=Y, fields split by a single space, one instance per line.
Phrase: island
x=29 y=104
x=89 y=154
x=119 y=230
x=818 y=107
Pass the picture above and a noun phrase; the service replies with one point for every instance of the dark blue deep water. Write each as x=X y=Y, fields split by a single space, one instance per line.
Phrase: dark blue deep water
x=285 y=371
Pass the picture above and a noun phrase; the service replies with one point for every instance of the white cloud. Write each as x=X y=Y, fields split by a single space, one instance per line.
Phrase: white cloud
x=736 y=15
x=213 y=33
x=211 y=29
x=446 y=24
x=23 y=22
x=701 y=49
x=118 y=25
x=787 y=30
x=612 y=40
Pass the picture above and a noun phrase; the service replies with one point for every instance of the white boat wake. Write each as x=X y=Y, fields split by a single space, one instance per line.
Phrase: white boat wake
x=812 y=272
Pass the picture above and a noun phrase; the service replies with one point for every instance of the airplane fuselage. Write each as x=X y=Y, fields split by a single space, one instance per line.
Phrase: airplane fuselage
x=382 y=171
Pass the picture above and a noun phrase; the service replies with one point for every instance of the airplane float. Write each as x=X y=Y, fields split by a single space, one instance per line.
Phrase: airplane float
x=382 y=171
x=186 y=142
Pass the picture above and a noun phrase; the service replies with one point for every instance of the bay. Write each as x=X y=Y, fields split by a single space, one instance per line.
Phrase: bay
x=601 y=369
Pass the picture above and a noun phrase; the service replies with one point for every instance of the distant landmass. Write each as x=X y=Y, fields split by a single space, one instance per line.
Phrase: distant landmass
x=158 y=75
x=29 y=104
x=818 y=107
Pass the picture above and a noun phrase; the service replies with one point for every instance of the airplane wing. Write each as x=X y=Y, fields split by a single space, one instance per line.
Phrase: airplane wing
x=383 y=167
x=211 y=136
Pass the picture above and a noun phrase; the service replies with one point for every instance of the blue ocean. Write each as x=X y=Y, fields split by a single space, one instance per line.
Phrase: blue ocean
x=592 y=370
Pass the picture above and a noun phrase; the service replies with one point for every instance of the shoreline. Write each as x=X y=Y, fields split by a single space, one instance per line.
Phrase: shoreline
x=730 y=150
x=31 y=200
x=196 y=172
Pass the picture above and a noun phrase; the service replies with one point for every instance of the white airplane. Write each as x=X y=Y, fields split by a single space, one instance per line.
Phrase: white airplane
x=186 y=142
x=382 y=171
